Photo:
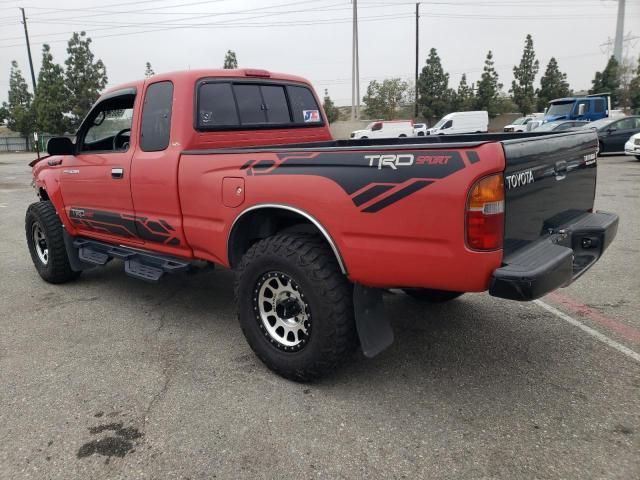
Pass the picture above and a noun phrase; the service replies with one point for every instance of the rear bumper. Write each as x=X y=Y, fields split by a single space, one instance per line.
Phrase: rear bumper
x=555 y=260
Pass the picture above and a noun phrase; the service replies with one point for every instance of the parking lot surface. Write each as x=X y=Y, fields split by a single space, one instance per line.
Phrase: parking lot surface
x=112 y=378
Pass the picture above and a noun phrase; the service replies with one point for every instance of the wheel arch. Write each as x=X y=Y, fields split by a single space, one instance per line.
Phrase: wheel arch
x=263 y=220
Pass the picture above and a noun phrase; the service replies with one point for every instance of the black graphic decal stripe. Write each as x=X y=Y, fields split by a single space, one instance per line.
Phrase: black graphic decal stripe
x=365 y=176
x=473 y=156
x=370 y=194
x=246 y=165
x=399 y=195
x=124 y=225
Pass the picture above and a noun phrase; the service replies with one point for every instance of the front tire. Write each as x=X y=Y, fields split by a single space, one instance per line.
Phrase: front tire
x=637 y=157
x=46 y=243
x=295 y=307
x=432 y=296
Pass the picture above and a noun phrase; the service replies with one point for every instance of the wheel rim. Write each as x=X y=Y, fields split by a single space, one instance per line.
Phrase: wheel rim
x=282 y=311
x=40 y=243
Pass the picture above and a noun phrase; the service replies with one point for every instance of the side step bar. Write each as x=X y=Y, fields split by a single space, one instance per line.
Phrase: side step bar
x=139 y=264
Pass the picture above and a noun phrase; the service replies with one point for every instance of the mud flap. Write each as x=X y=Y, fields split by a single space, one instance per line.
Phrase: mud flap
x=373 y=328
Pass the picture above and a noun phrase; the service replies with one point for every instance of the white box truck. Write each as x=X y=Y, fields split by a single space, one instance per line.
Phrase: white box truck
x=461 y=122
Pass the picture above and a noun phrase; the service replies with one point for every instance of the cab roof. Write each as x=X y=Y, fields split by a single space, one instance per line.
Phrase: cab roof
x=192 y=76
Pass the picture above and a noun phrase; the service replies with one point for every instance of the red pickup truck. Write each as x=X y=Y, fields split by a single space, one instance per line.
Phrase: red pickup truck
x=238 y=168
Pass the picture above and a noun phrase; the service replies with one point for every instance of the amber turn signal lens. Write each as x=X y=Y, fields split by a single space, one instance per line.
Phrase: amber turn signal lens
x=485 y=213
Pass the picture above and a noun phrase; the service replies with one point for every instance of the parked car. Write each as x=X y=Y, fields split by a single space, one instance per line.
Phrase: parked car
x=613 y=133
x=561 y=125
x=419 y=129
x=632 y=147
x=385 y=129
x=518 y=125
x=461 y=122
x=589 y=108
x=238 y=168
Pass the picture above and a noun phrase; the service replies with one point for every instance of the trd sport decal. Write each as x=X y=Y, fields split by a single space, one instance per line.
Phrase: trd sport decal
x=383 y=178
x=124 y=225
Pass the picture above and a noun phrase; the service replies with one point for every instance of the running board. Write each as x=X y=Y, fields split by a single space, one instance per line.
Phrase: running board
x=139 y=264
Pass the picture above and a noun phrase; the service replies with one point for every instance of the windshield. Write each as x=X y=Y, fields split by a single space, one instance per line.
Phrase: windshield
x=418 y=125
x=560 y=108
x=370 y=126
x=441 y=122
x=519 y=121
x=599 y=124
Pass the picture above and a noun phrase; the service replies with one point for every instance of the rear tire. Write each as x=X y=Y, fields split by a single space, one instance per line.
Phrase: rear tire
x=600 y=148
x=46 y=243
x=637 y=157
x=430 y=295
x=295 y=307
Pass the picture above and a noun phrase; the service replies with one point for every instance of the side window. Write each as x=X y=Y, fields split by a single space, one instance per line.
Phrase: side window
x=303 y=105
x=250 y=105
x=600 y=105
x=582 y=107
x=216 y=105
x=155 y=127
x=376 y=127
x=447 y=125
x=109 y=126
x=275 y=102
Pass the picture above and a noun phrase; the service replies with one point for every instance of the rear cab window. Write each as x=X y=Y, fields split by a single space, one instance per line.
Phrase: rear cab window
x=236 y=104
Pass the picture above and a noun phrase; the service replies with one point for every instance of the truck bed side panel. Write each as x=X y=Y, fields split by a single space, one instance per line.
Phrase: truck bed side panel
x=395 y=213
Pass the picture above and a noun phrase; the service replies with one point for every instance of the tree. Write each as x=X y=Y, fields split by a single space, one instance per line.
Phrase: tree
x=488 y=89
x=148 y=71
x=4 y=114
x=553 y=84
x=608 y=81
x=524 y=94
x=634 y=90
x=330 y=110
x=50 y=100
x=230 y=60
x=84 y=77
x=464 y=95
x=433 y=91
x=383 y=99
x=19 y=109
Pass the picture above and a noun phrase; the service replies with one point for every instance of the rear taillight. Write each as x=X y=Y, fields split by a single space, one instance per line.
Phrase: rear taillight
x=485 y=213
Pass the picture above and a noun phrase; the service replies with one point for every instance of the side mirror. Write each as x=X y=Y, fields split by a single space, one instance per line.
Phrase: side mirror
x=581 y=109
x=60 y=146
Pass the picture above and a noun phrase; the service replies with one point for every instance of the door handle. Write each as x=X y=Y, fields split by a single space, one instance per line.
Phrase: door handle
x=117 y=173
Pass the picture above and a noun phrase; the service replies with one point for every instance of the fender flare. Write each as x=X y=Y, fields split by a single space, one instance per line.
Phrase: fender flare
x=298 y=211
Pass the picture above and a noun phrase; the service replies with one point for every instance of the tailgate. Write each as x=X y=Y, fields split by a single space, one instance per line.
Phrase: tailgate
x=549 y=181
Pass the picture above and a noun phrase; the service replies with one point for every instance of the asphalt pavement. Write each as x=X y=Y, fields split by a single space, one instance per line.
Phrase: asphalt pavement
x=112 y=378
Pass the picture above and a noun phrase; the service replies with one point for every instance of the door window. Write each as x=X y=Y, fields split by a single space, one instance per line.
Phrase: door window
x=600 y=105
x=108 y=127
x=155 y=127
x=447 y=125
x=582 y=108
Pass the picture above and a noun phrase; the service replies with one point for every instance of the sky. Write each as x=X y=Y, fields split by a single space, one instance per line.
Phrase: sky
x=313 y=38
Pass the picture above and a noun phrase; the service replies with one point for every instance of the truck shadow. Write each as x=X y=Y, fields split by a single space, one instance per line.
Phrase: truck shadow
x=476 y=339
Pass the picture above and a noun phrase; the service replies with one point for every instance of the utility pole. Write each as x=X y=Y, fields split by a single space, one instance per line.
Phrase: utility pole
x=355 y=67
x=617 y=46
x=415 y=85
x=33 y=75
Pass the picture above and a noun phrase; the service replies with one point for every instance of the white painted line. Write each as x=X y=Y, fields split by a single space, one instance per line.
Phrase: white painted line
x=594 y=333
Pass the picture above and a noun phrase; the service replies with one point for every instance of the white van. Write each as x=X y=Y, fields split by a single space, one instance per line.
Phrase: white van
x=461 y=122
x=386 y=129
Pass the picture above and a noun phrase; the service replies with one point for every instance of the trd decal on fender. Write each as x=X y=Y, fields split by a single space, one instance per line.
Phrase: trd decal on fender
x=124 y=225
x=384 y=177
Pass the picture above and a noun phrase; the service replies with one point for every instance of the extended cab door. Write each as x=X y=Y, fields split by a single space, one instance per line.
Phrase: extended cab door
x=95 y=182
x=154 y=178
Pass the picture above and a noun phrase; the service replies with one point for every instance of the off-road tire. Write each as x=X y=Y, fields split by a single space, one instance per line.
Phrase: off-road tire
x=310 y=262
x=57 y=268
x=431 y=296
